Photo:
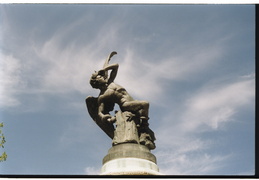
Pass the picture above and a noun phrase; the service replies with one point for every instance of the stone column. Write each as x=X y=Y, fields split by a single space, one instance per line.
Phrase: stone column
x=129 y=159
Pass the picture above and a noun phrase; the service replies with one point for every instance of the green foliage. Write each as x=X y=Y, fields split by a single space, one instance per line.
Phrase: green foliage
x=3 y=157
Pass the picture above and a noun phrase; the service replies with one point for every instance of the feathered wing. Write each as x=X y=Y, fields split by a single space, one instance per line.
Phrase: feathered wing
x=92 y=107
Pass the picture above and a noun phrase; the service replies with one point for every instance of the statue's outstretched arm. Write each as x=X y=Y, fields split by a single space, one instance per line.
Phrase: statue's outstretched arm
x=104 y=117
x=100 y=110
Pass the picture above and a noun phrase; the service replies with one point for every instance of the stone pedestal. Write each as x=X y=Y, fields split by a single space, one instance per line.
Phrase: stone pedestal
x=129 y=159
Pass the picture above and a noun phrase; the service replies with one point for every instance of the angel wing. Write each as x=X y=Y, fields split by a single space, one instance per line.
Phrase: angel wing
x=92 y=107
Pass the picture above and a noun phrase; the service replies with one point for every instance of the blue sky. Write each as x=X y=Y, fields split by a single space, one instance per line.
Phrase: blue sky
x=195 y=64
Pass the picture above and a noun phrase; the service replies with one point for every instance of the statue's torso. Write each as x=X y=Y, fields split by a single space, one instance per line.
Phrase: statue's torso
x=116 y=94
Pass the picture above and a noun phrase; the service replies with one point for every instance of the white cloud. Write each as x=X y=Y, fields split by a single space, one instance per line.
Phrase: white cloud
x=185 y=65
x=183 y=148
x=192 y=164
x=148 y=78
x=92 y=171
x=52 y=67
x=216 y=104
x=183 y=154
x=68 y=68
x=10 y=80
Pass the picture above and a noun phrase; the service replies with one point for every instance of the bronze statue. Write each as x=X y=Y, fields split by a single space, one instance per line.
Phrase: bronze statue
x=131 y=122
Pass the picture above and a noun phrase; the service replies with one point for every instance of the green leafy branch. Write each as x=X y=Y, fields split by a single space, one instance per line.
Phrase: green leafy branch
x=3 y=157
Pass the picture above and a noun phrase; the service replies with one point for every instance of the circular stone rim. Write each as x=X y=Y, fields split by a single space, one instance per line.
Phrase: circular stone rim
x=129 y=150
x=130 y=166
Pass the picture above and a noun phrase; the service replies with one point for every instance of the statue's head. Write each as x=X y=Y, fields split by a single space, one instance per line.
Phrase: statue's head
x=98 y=79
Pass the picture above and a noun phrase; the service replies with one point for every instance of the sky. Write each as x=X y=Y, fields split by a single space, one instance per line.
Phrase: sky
x=195 y=64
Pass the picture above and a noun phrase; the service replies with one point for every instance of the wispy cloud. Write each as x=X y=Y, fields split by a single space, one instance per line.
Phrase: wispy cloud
x=207 y=110
x=151 y=74
x=92 y=171
x=10 y=80
x=63 y=66
x=217 y=103
x=191 y=163
x=56 y=68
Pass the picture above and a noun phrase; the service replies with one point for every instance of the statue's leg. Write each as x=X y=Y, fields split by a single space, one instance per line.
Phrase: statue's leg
x=139 y=107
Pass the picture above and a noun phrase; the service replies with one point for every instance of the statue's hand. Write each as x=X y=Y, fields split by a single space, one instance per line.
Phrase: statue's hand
x=109 y=118
x=112 y=119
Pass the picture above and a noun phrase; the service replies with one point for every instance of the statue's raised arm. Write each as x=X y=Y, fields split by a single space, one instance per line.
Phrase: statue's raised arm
x=113 y=67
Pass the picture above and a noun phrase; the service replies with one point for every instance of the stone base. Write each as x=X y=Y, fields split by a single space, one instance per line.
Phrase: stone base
x=130 y=166
x=129 y=159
